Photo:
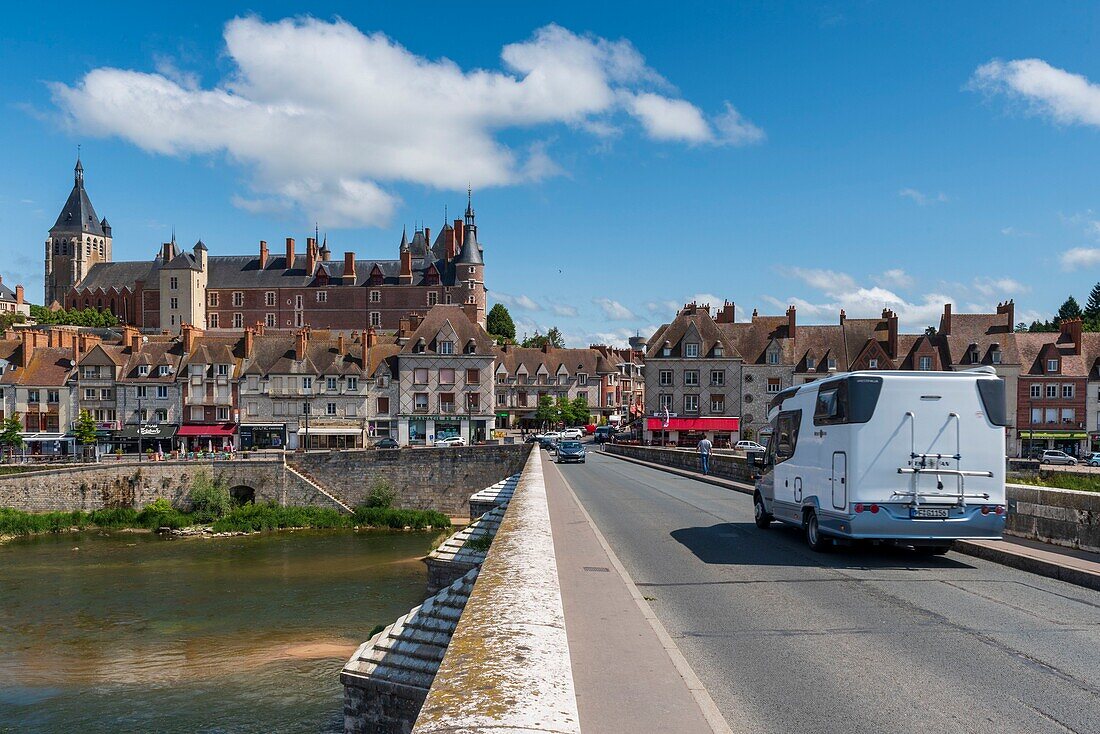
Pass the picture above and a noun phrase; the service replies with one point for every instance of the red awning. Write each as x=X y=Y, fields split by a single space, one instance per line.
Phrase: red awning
x=225 y=429
x=694 y=424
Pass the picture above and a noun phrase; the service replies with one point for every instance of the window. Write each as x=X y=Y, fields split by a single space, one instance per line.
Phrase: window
x=142 y=391
x=773 y=357
x=473 y=376
x=322 y=296
x=162 y=392
x=925 y=364
x=375 y=318
x=352 y=384
x=773 y=385
x=433 y=298
x=1051 y=415
x=269 y=320
x=174 y=283
x=1052 y=365
x=104 y=394
x=786 y=434
x=665 y=378
x=975 y=356
x=238 y=320
x=197 y=414
x=330 y=384
x=420 y=402
x=173 y=303
x=1036 y=390
x=664 y=401
x=502 y=399
x=872 y=364
x=299 y=302
x=269 y=298
x=995 y=356
x=717 y=403
x=212 y=319
x=583 y=397
x=162 y=370
x=1067 y=391
x=1069 y=415
x=810 y=363
x=1037 y=415
x=582 y=379
x=307 y=383
x=223 y=370
x=350 y=410
x=383 y=406
x=1052 y=391
x=446 y=347
x=376 y=296
x=447 y=299
x=719 y=351
x=473 y=402
x=691 y=350
x=89 y=394
x=832 y=363
x=691 y=377
x=298 y=320
x=691 y=404
x=447 y=376
x=253 y=408
x=89 y=373
x=330 y=409
x=143 y=370
x=666 y=352
x=212 y=299
x=446 y=402
x=305 y=409
x=420 y=376
x=718 y=377
x=521 y=399
x=161 y=415
x=51 y=396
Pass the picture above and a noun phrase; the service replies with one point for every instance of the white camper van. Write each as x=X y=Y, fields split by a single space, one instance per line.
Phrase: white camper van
x=916 y=458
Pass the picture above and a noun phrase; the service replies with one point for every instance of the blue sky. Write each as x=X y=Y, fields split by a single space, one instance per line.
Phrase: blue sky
x=624 y=159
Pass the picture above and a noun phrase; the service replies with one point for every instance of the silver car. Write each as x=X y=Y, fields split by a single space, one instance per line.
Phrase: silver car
x=1052 y=456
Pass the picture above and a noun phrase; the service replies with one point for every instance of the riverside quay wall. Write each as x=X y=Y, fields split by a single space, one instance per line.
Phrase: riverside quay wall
x=726 y=466
x=439 y=479
x=431 y=478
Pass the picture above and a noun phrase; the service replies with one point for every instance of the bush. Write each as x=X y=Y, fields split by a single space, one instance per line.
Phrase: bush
x=119 y=517
x=209 y=497
x=270 y=516
x=381 y=494
x=388 y=517
x=17 y=522
x=160 y=514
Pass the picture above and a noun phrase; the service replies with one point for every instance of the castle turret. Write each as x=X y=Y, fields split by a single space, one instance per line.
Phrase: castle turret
x=470 y=264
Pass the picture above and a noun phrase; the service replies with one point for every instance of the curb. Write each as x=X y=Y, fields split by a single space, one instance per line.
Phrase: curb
x=730 y=484
x=1038 y=566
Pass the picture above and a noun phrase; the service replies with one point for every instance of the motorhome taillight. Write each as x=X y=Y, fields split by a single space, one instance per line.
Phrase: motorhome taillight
x=874 y=509
x=859 y=507
x=985 y=509
x=1000 y=509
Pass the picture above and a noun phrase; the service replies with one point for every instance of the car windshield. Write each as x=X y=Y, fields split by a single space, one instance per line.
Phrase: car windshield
x=571 y=445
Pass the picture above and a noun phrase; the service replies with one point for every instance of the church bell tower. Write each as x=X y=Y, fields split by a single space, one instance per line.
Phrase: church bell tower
x=77 y=241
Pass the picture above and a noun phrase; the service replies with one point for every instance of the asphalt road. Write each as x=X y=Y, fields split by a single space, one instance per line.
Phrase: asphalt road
x=860 y=640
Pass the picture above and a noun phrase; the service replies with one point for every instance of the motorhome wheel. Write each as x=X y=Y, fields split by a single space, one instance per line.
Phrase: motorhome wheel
x=763 y=517
x=814 y=537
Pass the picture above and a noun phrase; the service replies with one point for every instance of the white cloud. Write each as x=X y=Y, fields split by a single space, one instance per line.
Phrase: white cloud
x=1005 y=286
x=663 y=307
x=613 y=309
x=563 y=310
x=324 y=116
x=841 y=291
x=1080 y=257
x=895 y=277
x=922 y=198
x=1045 y=90
x=523 y=302
x=823 y=280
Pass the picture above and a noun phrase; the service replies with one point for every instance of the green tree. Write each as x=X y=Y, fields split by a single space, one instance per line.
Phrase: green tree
x=1092 y=306
x=552 y=338
x=8 y=319
x=1021 y=327
x=565 y=410
x=500 y=324
x=581 y=415
x=11 y=434
x=547 y=411
x=85 y=430
x=74 y=317
x=1068 y=310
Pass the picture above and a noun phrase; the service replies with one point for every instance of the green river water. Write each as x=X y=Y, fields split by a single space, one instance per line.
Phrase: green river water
x=131 y=632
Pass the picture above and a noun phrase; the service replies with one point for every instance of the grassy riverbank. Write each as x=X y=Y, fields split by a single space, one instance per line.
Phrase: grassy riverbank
x=246 y=518
x=1060 y=480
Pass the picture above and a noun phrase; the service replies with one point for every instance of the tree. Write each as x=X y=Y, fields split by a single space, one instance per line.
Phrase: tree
x=500 y=324
x=1068 y=310
x=930 y=331
x=580 y=413
x=565 y=411
x=74 y=317
x=8 y=319
x=1092 y=306
x=85 y=430
x=547 y=411
x=1021 y=327
x=11 y=433
x=552 y=338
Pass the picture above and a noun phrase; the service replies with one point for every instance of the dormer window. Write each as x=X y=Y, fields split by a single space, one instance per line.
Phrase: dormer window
x=162 y=371
x=446 y=347
x=872 y=364
x=832 y=363
x=143 y=370
x=1052 y=365
x=471 y=347
x=719 y=351
x=691 y=349
x=995 y=356
x=975 y=356
x=773 y=357
x=810 y=364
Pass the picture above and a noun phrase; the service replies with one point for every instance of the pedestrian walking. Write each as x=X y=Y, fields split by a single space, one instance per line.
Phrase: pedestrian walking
x=704 y=454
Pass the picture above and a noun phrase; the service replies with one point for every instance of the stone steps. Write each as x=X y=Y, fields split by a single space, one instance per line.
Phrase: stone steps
x=302 y=475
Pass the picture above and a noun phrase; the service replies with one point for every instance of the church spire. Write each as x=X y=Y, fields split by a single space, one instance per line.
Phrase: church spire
x=469 y=205
x=78 y=171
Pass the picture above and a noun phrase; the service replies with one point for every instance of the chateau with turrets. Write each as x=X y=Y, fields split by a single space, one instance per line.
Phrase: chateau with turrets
x=277 y=288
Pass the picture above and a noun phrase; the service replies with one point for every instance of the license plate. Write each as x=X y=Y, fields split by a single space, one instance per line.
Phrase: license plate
x=930 y=513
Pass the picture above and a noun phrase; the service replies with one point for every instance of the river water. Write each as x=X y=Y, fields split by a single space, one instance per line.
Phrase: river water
x=131 y=632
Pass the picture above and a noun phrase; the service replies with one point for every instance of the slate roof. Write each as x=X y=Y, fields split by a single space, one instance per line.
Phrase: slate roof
x=78 y=214
x=709 y=332
x=119 y=275
x=273 y=354
x=464 y=328
x=6 y=294
x=588 y=361
x=471 y=250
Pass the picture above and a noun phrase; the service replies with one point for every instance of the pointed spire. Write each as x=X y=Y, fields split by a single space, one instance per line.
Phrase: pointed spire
x=78 y=170
x=404 y=240
x=469 y=205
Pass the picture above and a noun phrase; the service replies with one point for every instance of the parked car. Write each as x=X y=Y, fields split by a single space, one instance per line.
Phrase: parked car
x=386 y=443
x=572 y=434
x=1094 y=459
x=570 y=451
x=603 y=434
x=590 y=428
x=750 y=447
x=1052 y=456
x=548 y=442
x=451 y=441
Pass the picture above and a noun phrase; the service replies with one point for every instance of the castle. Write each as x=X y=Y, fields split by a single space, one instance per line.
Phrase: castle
x=279 y=290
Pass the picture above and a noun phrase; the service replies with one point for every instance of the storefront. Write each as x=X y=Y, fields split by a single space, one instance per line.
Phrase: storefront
x=136 y=439
x=48 y=444
x=676 y=431
x=379 y=429
x=425 y=430
x=331 y=437
x=263 y=436
x=207 y=437
x=446 y=429
x=1074 y=443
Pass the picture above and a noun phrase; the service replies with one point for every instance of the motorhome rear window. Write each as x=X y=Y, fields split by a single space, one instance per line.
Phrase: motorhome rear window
x=832 y=404
x=992 y=393
x=863 y=392
x=851 y=400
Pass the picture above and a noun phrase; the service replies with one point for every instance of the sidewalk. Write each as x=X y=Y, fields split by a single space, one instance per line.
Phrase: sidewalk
x=628 y=673
x=1053 y=561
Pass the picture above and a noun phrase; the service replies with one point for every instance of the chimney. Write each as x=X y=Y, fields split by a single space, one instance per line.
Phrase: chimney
x=263 y=254
x=166 y=251
x=18 y=295
x=790 y=322
x=135 y=340
x=891 y=334
x=459 y=232
x=415 y=320
x=28 y=346
x=188 y=333
x=546 y=348
x=249 y=341
x=727 y=314
x=311 y=255
x=1071 y=331
x=404 y=326
x=340 y=344
x=945 y=320
x=371 y=338
x=843 y=316
x=349 y=268
x=428 y=235
x=289 y=253
x=406 y=275
x=1009 y=309
x=259 y=328
x=301 y=338
x=470 y=309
